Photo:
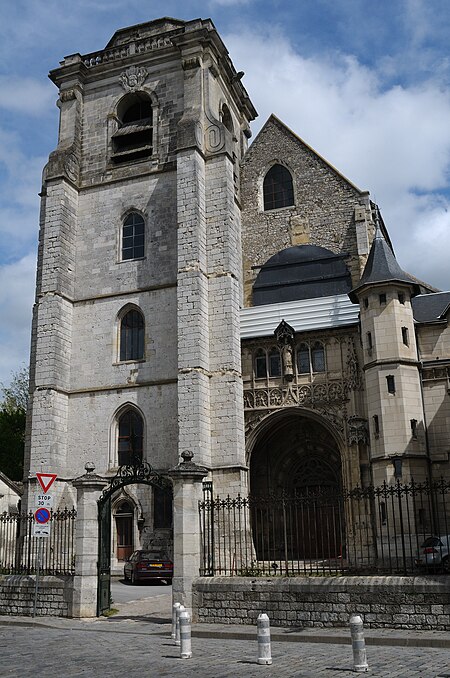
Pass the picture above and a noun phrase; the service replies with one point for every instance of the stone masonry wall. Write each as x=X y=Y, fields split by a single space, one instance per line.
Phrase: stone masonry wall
x=54 y=595
x=391 y=602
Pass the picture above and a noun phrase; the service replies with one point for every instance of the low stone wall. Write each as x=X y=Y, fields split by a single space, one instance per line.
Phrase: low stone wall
x=54 y=595
x=392 y=602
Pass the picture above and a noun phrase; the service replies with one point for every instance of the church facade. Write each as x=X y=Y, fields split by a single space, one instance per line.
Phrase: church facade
x=194 y=293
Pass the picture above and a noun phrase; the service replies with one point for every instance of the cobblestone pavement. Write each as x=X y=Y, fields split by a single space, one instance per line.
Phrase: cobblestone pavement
x=131 y=649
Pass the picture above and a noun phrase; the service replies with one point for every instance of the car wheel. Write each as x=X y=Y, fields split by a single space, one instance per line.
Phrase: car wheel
x=446 y=565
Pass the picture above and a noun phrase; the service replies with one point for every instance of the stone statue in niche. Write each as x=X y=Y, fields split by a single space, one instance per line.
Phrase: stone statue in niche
x=285 y=338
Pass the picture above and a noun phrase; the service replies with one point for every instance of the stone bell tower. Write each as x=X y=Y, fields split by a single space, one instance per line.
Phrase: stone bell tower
x=139 y=272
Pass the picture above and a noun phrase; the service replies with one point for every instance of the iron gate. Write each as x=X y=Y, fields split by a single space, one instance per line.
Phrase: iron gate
x=138 y=473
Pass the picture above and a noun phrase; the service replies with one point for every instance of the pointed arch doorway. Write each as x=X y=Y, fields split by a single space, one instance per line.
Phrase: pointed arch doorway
x=295 y=459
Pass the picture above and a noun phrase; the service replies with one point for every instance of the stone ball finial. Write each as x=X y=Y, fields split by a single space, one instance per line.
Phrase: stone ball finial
x=89 y=467
x=187 y=456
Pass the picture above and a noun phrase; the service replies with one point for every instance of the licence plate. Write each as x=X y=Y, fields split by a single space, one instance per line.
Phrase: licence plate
x=156 y=565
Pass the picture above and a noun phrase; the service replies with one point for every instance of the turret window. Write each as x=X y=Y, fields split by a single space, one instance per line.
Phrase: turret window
x=390 y=381
x=414 y=428
x=405 y=336
x=376 y=426
x=278 y=188
x=369 y=342
x=401 y=297
x=382 y=298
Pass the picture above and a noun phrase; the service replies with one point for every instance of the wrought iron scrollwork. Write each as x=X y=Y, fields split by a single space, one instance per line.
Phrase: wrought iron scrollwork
x=136 y=472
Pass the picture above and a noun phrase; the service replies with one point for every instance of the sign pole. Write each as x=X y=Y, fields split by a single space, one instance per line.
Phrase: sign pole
x=38 y=565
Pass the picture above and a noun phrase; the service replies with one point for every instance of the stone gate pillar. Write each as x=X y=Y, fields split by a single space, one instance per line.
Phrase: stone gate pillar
x=187 y=491
x=89 y=488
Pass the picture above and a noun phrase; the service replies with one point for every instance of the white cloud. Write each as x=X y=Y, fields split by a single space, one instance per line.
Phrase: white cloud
x=16 y=299
x=25 y=96
x=394 y=142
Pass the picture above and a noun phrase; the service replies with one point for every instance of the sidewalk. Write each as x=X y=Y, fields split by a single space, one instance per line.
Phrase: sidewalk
x=153 y=616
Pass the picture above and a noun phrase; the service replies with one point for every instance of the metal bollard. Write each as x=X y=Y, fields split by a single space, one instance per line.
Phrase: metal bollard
x=358 y=644
x=174 y=619
x=177 y=625
x=185 y=635
x=263 y=626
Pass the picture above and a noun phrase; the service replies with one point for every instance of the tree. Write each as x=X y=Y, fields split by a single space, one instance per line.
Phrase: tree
x=13 y=409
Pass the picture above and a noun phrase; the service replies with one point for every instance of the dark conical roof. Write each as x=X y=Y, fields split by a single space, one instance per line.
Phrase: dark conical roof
x=382 y=267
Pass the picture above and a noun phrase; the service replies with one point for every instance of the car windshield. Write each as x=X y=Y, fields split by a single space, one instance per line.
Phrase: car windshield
x=152 y=555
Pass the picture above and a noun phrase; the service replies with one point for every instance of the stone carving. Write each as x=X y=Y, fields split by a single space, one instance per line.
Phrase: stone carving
x=67 y=95
x=354 y=381
x=285 y=337
x=357 y=430
x=188 y=64
x=293 y=394
x=133 y=78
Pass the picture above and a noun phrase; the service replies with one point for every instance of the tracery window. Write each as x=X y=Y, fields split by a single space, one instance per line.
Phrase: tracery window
x=311 y=359
x=130 y=437
x=267 y=364
x=133 y=232
x=278 y=189
x=132 y=332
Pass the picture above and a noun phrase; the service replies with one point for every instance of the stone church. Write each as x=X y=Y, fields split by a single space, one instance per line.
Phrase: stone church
x=195 y=292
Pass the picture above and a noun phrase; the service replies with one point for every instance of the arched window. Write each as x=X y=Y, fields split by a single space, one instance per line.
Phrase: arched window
x=303 y=359
x=274 y=363
x=260 y=364
x=133 y=231
x=318 y=357
x=277 y=188
x=130 y=437
x=134 y=137
x=132 y=330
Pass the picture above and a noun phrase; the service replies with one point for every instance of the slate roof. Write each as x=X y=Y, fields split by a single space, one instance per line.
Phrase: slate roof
x=381 y=267
x=431 y=308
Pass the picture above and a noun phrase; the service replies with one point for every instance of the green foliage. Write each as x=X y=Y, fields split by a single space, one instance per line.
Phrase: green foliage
x=12 y=424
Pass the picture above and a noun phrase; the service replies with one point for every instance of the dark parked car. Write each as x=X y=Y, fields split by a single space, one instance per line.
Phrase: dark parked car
x=149 y=564
x=434 y=553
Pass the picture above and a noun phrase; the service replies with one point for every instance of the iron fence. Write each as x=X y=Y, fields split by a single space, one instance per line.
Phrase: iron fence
x=323 y=532
x=20 y=550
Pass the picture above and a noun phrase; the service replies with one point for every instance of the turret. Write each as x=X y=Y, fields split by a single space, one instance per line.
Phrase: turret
x=391 y=367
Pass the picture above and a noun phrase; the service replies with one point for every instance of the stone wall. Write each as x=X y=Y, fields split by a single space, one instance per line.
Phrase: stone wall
x=54 y=595
x=391 y=602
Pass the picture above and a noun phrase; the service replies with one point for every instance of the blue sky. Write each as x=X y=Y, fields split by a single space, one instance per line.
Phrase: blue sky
x=366 y=83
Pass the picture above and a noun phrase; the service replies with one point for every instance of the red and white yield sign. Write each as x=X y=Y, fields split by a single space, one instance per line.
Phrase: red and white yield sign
x=46 y=480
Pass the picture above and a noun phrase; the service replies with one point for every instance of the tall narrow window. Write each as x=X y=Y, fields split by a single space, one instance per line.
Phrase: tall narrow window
x=376 y=426
x=401 y=297
x=318 y=357
x=130 y=438
x=132 y=330
x=277 y=188
x=390 y=380
x=260 y=364
x=382 y=298
x=274 y=363
x=133 y=231
x=303 y=359
x=369 y=341
x=162 y=508
x=414 y=428
x=405 y=336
